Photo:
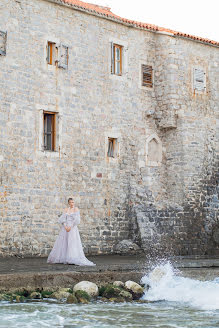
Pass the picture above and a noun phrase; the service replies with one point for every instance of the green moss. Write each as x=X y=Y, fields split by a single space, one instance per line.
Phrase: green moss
x=112 y=291
x=102 y=290
x=70 y=290
x=46 y=293
x=81 y=294
x=24 y=293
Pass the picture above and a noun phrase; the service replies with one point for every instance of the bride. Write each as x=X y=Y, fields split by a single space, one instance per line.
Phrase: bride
x=68 y=248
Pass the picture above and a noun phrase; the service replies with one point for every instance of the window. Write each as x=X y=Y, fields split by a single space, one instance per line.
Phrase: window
x=116 y=59
x=199 y=79
x=112 y=147
x=3 y=39
x=57 y=54
x=51 y=53
x=49 y=120
x=147 y=76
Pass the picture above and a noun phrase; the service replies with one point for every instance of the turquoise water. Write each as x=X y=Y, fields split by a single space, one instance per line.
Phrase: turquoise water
x=173 y=302
x=159 y=314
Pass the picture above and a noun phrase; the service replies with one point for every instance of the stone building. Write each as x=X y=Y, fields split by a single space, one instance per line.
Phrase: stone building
x=121 y=115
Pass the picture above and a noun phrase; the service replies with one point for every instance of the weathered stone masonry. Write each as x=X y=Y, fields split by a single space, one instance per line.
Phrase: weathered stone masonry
x=162 y=190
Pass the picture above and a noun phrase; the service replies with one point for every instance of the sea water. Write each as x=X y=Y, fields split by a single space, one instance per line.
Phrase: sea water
x=173 y=301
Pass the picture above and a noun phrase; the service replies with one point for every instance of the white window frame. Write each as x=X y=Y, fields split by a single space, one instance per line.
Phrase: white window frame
x=124 y=45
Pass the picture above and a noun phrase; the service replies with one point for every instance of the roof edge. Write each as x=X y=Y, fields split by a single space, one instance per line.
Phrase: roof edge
x=107 y=14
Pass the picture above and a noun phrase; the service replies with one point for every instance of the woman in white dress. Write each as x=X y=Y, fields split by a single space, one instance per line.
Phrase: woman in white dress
x=68 y=248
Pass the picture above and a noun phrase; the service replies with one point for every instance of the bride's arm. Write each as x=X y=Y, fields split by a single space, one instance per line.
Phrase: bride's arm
x=62 y=218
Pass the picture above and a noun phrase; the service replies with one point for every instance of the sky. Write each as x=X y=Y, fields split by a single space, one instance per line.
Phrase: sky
x=196 y=17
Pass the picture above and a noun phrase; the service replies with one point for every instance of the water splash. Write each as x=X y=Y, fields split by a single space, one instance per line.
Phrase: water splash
x=166 y=284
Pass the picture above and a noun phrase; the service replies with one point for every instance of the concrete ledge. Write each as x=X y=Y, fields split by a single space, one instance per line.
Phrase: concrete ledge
x=37 y=273
x=63 y=279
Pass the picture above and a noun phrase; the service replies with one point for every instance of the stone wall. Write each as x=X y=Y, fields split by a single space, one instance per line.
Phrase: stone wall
x=163 y=202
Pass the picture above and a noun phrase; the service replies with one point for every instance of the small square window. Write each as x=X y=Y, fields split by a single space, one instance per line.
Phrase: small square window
x=49 y=130
x=147 y=75
x=116 y=59
x=112 y=147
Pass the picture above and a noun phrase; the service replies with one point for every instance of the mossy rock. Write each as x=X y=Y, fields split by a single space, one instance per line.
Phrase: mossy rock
x=46 y=293
x=118 y=299
x=22 y=292
x=72 y=299
x=82 y=296
x=20 y=299
x=104 y=299
x=7 y=297
x=112 y=291
x=102 y=290
x=35 y=295
x=60 y=295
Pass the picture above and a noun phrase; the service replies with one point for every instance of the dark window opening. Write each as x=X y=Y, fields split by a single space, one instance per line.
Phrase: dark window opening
x=49 y=131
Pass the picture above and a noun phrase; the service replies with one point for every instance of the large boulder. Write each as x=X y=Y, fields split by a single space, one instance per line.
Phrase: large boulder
x=89 y=287
x=135 y=289
x=127 y=246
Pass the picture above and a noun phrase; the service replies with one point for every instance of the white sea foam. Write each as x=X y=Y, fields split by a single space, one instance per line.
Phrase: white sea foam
x=165 y=284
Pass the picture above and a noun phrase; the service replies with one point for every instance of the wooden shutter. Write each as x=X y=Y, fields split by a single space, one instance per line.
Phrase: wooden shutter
x=147 y=76
x=112 y=59
x=199 y=79
x=3 y=40
x=50 y=54
x=63 y=56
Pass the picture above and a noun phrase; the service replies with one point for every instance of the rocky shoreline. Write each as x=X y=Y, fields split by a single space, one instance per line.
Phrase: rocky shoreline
x=83 y=292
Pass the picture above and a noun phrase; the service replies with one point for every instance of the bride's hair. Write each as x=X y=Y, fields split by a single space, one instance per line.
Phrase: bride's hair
x=70 y=199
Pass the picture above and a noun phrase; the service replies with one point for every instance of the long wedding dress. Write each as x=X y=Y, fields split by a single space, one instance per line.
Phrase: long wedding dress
x=68 y=248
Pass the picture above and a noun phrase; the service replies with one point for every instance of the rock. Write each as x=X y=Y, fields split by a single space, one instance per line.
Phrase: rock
x=216 y=235
x=19 y=298
x=22 y=291
x=60 y=295
x=126 y=295
x=104 y=299
x=87 y=286
x=101 y=290
x=136 y=290
x=47 y=293
x=82 y=296
x=117 y=299
x=127 y=246
x=72 y=299
x=35 y=295
x=119 y=283
x=65 y=290
x=112 y=291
